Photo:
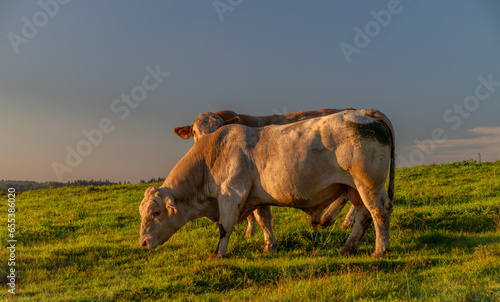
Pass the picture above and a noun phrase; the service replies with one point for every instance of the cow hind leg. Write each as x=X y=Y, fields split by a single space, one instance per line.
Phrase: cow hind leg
x=333 y=210
x=349 y=218
x=380 y=207
x=264 y=218
x=362 y=222
x=356 y=200
x=251 y=228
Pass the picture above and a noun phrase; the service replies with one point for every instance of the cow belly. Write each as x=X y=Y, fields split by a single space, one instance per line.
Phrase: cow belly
x=300 y=192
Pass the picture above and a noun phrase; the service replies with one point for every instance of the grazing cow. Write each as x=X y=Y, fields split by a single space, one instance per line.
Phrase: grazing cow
x=235 y=170
x=209 y=122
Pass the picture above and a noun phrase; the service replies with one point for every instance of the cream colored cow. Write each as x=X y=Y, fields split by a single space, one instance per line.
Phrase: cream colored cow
x=237 y=169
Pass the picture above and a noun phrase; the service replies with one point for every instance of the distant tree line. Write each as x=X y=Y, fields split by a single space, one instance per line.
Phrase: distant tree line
x=158 y=179
x=28 y=185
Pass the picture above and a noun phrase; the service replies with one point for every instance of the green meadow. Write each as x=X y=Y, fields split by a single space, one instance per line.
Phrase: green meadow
x=81 y=244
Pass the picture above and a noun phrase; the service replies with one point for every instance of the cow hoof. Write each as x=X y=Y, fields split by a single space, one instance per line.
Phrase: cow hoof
x=325 y=224
x=379 y=255
x=345 y=225
x=215 y=256
x=270 y=249
x=376 y=255
x=348 y=250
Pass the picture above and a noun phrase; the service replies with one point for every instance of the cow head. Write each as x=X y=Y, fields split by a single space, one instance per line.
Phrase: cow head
x=206 y=123
x=160 y=218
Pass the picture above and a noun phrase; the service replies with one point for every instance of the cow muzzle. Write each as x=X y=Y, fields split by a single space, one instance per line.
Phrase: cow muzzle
x=148 y=243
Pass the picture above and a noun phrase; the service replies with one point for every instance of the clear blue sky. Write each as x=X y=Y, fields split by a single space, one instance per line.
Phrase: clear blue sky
x=432 y=66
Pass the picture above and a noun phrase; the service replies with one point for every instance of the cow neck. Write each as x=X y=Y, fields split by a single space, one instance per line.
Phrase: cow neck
x=185 y=181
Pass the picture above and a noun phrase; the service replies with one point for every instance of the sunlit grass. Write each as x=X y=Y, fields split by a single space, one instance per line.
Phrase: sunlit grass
x=81 y=244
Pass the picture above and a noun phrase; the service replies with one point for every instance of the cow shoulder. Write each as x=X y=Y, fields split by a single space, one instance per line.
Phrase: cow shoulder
x=226 y=151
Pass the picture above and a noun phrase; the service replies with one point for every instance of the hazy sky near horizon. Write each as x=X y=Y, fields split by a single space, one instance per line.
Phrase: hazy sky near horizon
x=93 y=89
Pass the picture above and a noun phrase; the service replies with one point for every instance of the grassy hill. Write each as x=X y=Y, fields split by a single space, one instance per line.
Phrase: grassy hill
x=81 y=244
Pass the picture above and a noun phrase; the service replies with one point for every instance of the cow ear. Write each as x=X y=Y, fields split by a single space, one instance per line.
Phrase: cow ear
x=150 y=191
x=169 y=204
x=234 y=120
x=184 y=132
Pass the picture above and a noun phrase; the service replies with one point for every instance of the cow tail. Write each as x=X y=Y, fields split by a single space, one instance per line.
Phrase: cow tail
x=392 y=170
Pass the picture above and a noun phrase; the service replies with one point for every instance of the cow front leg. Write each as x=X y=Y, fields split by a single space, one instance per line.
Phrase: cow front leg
x=221 y=250
x=230 y=201
x=361 y=224
x=264 y=218
x=251 y=227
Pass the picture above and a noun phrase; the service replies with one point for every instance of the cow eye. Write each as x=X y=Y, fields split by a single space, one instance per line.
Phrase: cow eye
x=156 y=214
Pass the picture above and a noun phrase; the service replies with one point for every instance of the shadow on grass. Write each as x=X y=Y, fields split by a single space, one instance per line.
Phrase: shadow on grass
x=225 y=276
x=450 y=241
x=95 y=257
x=88 y=257
x=47 y=233
x=326 y=239
x=473 y=221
